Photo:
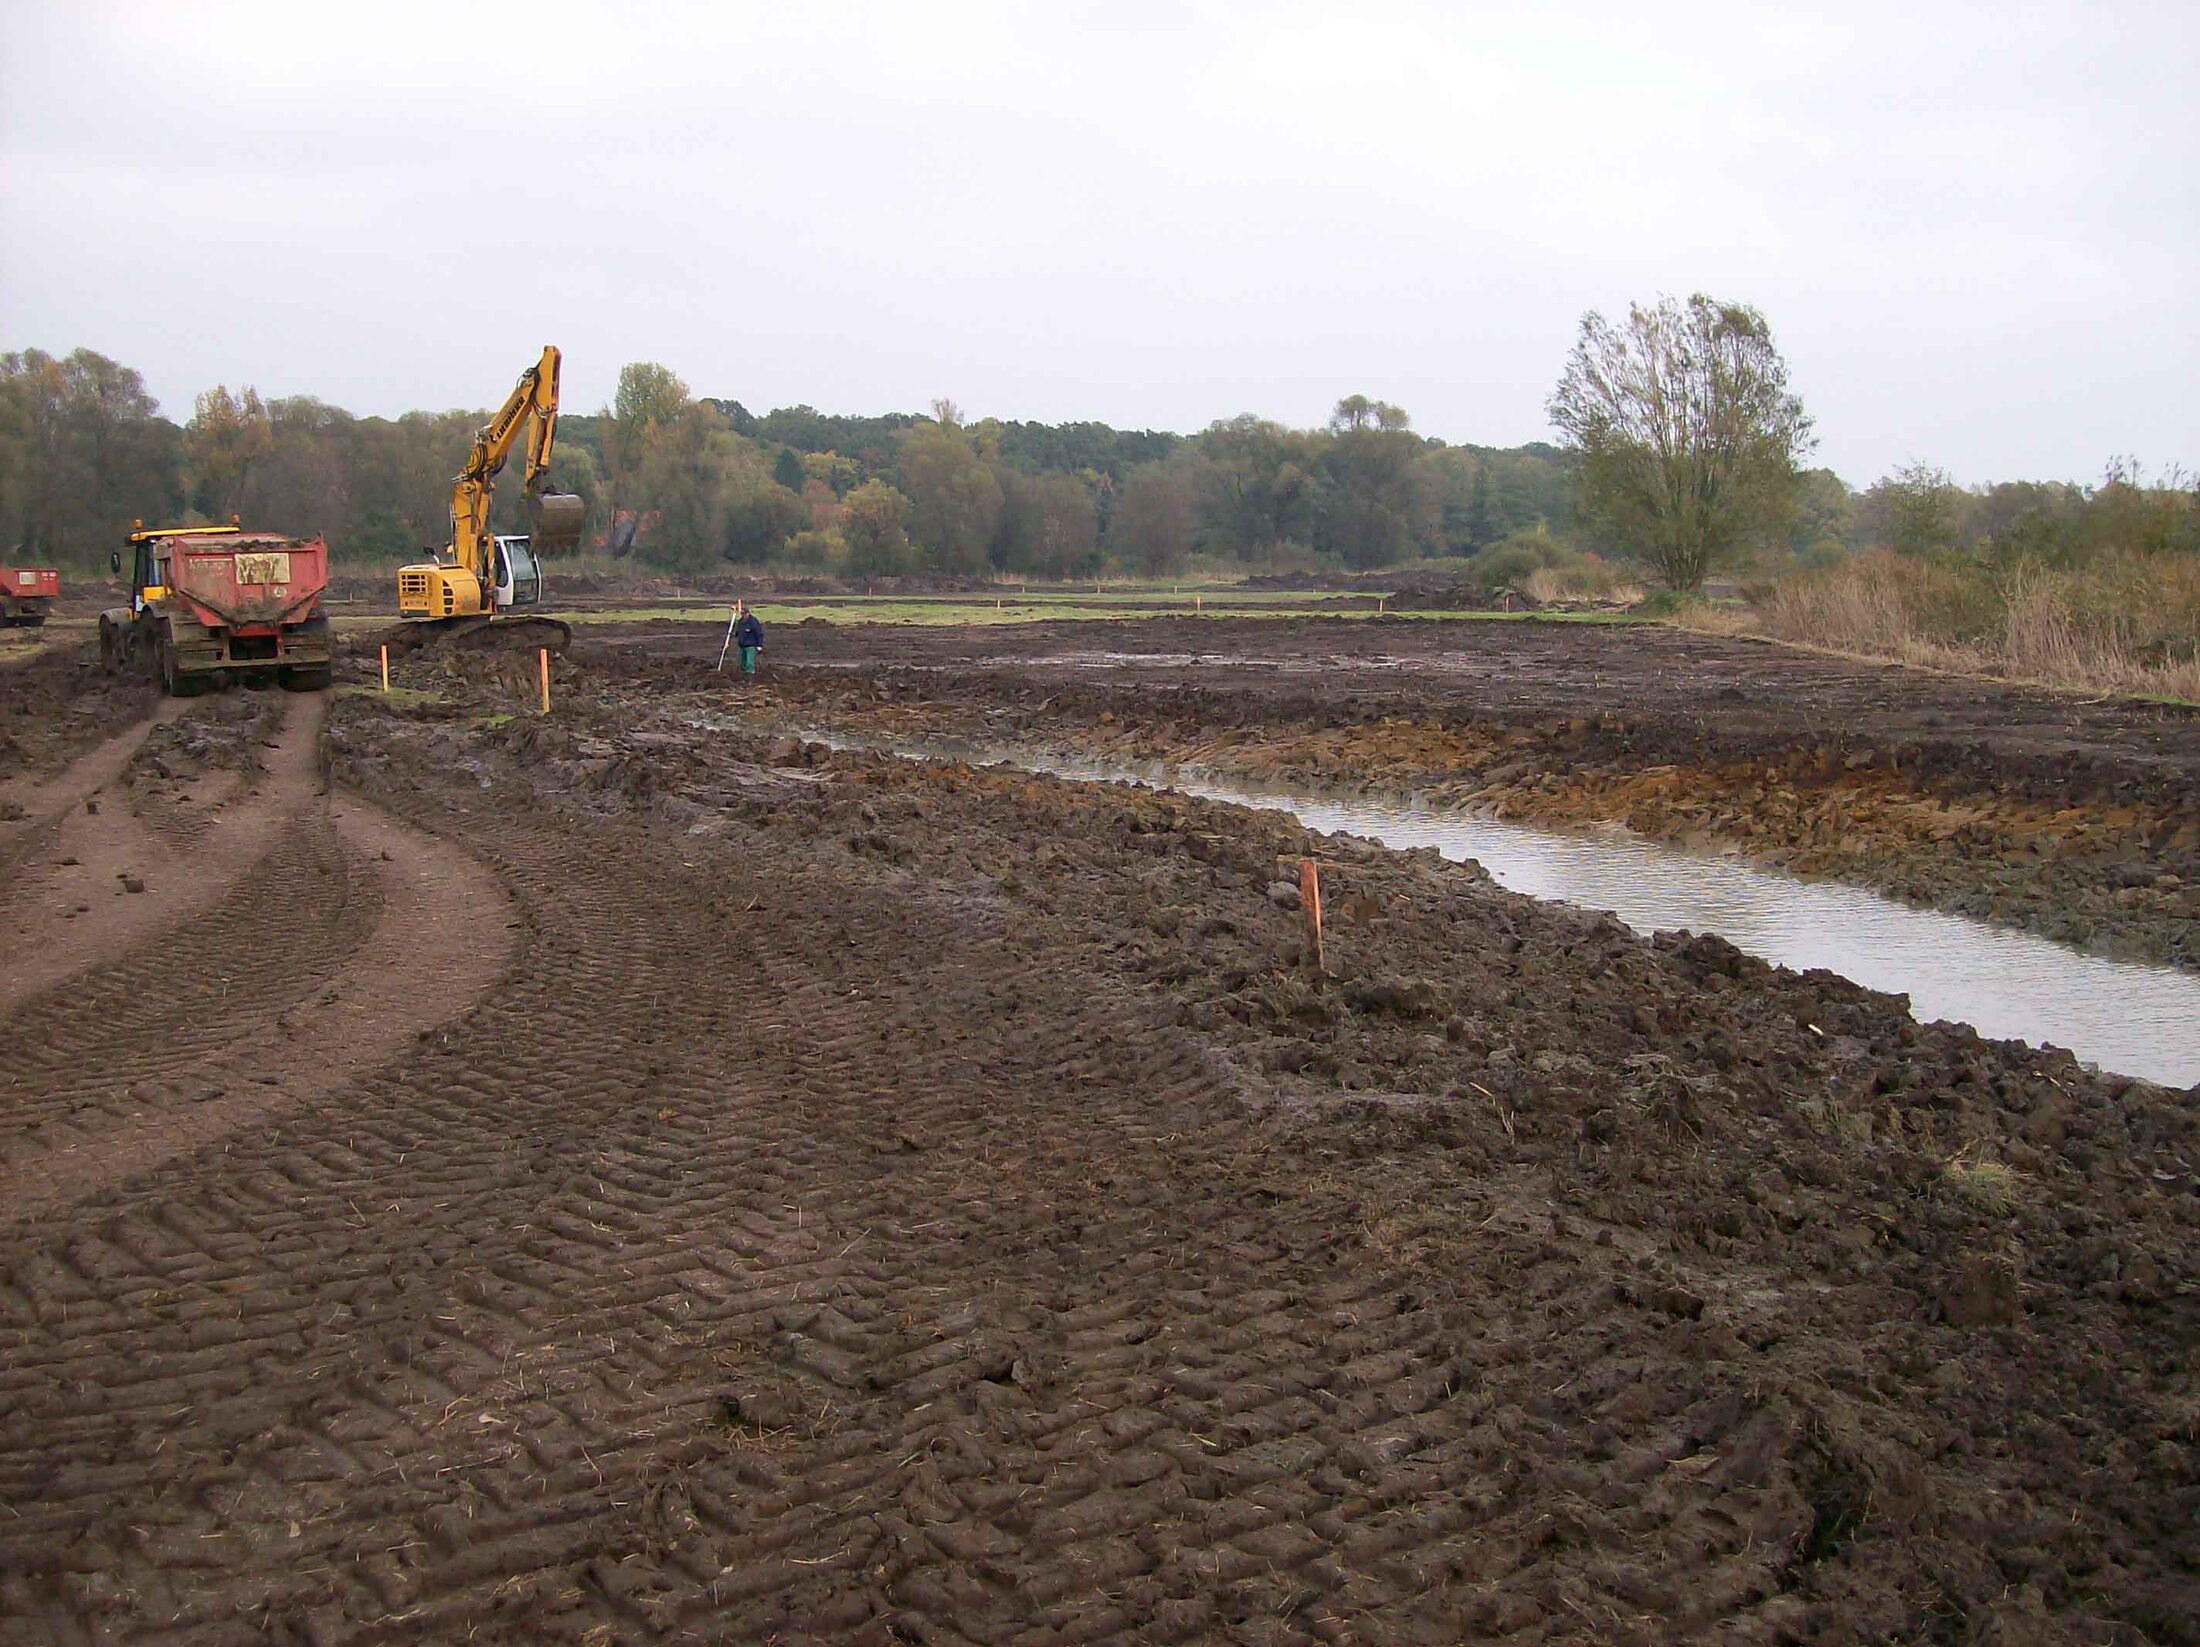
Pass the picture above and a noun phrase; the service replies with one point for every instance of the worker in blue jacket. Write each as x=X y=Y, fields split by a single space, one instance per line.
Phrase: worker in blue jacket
x=748 y=635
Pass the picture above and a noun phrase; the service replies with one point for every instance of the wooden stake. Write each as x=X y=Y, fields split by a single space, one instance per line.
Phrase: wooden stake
x=1310 y=899
x=1199 y=603
x=385 y=669
x=545 y=656
x=1381 y=604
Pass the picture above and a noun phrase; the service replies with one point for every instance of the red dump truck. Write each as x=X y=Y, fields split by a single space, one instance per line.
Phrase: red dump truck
x=215 y=602
x=27 y=594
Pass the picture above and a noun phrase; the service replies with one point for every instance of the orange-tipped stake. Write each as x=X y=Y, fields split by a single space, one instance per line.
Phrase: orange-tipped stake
x=544 y=654
x=385 y=669
x=1310 y=899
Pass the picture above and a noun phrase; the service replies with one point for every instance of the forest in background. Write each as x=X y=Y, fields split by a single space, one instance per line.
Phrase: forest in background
x=686 y=484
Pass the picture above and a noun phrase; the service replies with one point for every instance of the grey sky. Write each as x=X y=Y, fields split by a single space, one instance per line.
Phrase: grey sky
x=1975 y=229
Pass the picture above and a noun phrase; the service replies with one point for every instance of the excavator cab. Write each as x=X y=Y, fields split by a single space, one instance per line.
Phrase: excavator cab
x=515 y=572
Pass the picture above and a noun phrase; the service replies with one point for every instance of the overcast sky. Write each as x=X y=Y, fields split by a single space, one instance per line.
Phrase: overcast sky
x=1975 y=229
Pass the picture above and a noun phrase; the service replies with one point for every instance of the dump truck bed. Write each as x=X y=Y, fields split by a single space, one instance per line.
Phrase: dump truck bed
x=248 y=583
x=27 y=593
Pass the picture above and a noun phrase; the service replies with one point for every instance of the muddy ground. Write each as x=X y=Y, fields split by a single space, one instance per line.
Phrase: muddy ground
x=56 y=701
x=588 y=1179
x=2076 y=819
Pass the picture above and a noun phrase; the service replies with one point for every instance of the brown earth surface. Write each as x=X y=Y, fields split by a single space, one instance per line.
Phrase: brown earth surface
x=592 y=1179
x=56 y=702
x=2073 y=818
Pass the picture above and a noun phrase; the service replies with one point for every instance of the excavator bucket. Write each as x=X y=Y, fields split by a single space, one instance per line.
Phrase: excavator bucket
x=554 y=522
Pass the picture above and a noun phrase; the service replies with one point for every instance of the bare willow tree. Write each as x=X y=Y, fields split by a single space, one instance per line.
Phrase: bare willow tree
x=1685 y=432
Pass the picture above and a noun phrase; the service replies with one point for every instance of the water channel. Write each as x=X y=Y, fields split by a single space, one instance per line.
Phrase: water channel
x=2123 y=1016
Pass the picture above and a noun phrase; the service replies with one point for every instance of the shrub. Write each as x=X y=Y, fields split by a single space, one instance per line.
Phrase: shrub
x=813 y=551
x=1508 y=564
x=1548 y=570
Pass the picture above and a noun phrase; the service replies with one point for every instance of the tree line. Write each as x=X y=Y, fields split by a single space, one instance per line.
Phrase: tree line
x=690 y=484
x=1681 y=451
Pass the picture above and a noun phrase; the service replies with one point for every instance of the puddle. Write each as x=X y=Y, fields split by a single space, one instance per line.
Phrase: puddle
x=1301 y=664
x=2127 y=1017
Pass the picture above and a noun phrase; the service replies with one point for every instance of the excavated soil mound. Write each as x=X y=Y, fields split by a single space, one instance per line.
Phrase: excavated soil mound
x=497 y=638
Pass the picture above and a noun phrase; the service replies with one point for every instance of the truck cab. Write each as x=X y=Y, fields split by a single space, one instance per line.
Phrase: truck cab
x=146 y=576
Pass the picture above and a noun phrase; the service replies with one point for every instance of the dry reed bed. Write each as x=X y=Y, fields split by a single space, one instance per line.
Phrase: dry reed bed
x=2126 y=624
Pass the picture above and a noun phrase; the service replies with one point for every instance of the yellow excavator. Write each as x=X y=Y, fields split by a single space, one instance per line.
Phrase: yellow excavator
x=482 y=574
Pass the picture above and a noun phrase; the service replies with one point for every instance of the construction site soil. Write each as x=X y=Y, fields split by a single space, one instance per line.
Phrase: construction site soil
x=601 y=1177
x=2073 y=818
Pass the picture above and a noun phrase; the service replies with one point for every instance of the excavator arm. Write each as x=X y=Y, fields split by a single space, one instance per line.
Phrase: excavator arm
x=554 y=518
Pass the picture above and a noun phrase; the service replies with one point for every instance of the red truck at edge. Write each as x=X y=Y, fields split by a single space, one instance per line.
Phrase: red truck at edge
x=27 y=594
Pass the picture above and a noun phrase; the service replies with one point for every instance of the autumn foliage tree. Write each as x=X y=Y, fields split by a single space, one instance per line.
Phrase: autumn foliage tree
x=82 y=452
x=1685 y=432
x=1155 y=521
x=871 y=526
x=1260 y=485
x=647 y=407
x=227 y=437
x=1047 y=526
x=954 y=498
x=1916 y=509
x=1375 y=502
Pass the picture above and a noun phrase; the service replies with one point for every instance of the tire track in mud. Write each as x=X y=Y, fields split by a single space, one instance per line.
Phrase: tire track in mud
x=340 y=948
x=182 y=876
x=723 y=1275
x=44 y=799
x=474 y=1136
x=125 y=1044
x=45 y=804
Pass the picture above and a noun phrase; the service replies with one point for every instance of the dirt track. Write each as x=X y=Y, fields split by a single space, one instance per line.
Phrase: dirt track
x=820 y=1198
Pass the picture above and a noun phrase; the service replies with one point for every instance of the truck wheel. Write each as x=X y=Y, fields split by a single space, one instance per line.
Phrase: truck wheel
x=177 y=683
x=308 y=677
